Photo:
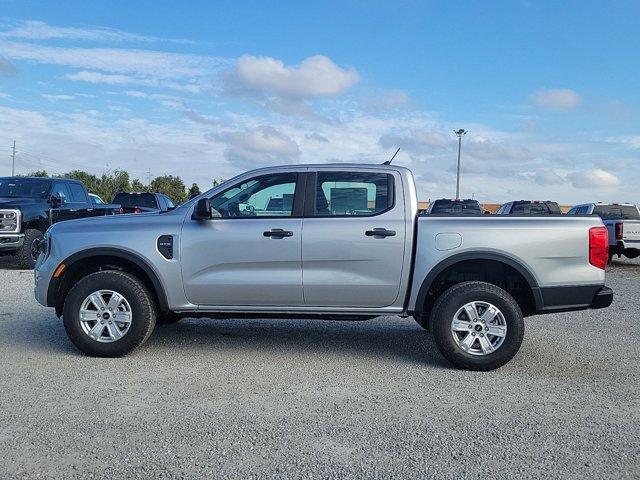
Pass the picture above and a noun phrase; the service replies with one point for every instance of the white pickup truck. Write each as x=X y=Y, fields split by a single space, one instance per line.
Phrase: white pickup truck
x=623 y=225
x=336 y=241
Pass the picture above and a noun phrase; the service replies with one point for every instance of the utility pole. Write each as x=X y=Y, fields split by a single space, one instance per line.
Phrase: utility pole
x=460 y=133
x=13 y=159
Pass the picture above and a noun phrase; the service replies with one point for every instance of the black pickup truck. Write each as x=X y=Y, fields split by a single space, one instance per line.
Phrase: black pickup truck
x=29 y=205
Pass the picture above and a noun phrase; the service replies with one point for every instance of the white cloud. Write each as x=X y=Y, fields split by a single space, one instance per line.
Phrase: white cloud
x=259 y=146
x=557 y=99
x=37 y=30
x=53 y=98
x=418 y=142
x=377 y=101
x=316 y=76
x=118 y=79
x=142 y=63
x=6 y=68
x=595 y=177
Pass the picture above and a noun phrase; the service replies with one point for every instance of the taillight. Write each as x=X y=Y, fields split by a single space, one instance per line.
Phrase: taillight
x=598 y=247
x=619 y=230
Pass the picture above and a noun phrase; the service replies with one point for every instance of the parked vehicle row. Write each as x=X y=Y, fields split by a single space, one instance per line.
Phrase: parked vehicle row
x=30 y=205
x=622 y=222
x=352 y=232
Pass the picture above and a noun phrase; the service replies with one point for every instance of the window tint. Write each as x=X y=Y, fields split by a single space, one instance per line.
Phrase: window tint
x=129 y=200
x=460 y=207
x=583 y=210
x=530 y=209
x=170 y=203
x=60 y=190
x=266 y=196
x=162 y=202
x=617 y=212
x=352 y=193
x=77 y=193
x=572 y=211
x=23 y=187
x=95 y=199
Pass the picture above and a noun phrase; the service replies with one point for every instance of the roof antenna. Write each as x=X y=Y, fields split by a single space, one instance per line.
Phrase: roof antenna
x=388 y=162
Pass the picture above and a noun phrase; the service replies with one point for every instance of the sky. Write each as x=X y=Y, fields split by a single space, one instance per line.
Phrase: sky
x=548 y=91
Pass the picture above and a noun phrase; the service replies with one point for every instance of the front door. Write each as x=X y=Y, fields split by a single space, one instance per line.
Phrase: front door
x=250 y=253
x=354 y=239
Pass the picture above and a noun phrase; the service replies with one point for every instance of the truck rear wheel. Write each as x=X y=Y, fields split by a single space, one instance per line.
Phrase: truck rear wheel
x=477 y=326
x=109 y=314
x=28 y=253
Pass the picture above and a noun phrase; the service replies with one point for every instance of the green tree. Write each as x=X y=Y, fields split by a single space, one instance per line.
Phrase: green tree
x=194 y=190
x=138 y=186
x=112 y=183
x=38 y=173
x=171 y=186
x=90 y=181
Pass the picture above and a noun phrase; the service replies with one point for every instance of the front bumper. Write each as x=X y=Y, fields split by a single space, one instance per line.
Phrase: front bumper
x=11 y=241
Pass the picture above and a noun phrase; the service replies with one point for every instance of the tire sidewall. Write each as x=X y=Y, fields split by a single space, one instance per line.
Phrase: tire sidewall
x=25 y=259
x=143 y=314
x=462 y=294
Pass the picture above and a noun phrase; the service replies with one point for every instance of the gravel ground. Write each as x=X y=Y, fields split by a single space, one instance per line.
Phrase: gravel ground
x=290 y=399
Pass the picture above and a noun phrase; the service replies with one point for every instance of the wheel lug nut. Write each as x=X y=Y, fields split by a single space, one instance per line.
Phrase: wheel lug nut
x=473 y=334
x=482 y=334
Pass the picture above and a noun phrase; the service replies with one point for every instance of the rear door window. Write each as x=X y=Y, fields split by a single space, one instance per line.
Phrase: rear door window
x=77 y=193
x=352 y=193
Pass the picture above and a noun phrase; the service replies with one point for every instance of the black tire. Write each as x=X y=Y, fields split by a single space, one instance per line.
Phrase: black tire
x=632 y=253
x=453 y=299
x=143 y=310
x=424 y=323
x=610 y=259
x=167 y=318
x=24 y=255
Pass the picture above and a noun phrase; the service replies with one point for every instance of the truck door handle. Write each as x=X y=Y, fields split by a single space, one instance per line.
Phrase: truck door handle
x=380 y=232
x=278 y=233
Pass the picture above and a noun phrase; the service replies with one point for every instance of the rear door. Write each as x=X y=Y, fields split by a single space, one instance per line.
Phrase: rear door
x=248 y=254
x=354 y=238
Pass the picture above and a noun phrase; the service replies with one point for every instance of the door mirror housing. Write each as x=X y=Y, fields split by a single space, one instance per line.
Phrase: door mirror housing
x=55 y=201
x=202 y=210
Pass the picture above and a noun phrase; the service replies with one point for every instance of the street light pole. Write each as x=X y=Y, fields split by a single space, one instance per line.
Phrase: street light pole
x=460 y=133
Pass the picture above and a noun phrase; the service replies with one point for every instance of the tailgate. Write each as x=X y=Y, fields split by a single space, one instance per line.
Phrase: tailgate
x=631 y=231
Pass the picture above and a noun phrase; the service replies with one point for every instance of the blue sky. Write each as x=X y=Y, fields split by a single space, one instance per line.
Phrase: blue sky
x=548 y=90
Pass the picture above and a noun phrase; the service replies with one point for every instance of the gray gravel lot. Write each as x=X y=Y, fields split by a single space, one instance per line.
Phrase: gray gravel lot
x=289 y=399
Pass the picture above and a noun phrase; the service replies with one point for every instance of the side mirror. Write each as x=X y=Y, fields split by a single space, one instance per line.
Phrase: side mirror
x=55 y=201
x=202 y=210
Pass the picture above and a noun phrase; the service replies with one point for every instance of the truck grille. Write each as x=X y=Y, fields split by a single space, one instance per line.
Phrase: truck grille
x=9 y=221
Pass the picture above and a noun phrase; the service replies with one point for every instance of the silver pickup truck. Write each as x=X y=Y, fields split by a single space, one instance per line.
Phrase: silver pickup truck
x=321 y=241
x=623 y=225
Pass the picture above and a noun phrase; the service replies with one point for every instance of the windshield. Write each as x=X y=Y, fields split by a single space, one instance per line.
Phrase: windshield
x=144 y=200
x=24 y=187
x=464 y=207
x=617 y=212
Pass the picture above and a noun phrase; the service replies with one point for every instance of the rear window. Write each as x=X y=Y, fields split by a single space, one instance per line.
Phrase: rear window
x=144 y=200
x=461 y=207
x=617 y=212
x=535 y=208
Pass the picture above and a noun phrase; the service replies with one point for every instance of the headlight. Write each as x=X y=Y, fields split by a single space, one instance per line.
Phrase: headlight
x=9 y=221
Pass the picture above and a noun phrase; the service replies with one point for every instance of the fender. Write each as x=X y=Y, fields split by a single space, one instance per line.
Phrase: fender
x=461 y=257
x=112 y=252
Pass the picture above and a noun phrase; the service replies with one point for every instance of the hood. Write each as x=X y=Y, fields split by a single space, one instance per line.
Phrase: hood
x=119 y=224
x=10 y=202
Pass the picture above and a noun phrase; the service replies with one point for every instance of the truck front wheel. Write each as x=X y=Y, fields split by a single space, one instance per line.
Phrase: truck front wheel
x=109 y=314
x=477 y=326
x=28 y=252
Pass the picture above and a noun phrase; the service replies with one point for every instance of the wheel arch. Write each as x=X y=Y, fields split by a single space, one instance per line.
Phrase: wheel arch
x=479 y=263
x=104 y=258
